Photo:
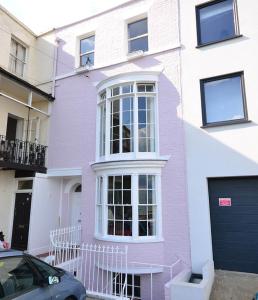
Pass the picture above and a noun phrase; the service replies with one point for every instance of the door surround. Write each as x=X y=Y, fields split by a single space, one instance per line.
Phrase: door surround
x=71 y=194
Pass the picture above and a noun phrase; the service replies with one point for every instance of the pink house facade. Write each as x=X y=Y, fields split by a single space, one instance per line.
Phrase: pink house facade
x=116 y=161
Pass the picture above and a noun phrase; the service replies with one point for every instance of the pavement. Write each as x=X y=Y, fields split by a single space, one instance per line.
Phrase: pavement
x=234 y=286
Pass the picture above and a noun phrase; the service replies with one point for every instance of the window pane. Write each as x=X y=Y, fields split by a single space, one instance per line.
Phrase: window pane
x=118 y=197
x=142 y=181
x=143 y=213
x=143 y=228
x=111 y=213
x=137 y=28
x=118 y=228
x=88 y=44
x=143 y=197
x=16 y=276
x=118 y=182
x=45 y=269
x=127 y=228
x=110 y=182
x=87 y=59
x=126 y=182
x=25 y=184
x=128 y=213
x=139 y=44
x=111 y=227
x=119 y=213
x=224 y=100
x=217 y=21
x=115 y=91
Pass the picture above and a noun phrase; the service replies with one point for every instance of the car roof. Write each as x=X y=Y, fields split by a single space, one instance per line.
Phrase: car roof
x=10 y=253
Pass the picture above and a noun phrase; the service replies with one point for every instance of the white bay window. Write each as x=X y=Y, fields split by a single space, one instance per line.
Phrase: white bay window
x=126 y=119
x=128 y=206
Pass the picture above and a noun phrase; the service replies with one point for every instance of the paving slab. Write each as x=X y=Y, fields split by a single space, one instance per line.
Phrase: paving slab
x=234 y=286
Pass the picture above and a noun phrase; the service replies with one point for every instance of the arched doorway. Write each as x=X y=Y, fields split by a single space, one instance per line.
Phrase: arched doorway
x=75 y=205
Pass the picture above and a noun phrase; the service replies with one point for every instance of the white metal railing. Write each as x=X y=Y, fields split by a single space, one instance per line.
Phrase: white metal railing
x=152 y=270
x=96 y=266
x=71 y=235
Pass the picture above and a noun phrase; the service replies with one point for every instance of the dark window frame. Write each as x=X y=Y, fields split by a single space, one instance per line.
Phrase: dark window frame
x=203 y=102
x=198 y=23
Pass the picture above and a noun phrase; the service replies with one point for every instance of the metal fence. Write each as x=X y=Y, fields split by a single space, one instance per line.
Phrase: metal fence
x=96 y=266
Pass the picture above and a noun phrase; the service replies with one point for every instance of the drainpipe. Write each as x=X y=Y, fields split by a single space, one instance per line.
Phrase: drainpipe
x=55 y=65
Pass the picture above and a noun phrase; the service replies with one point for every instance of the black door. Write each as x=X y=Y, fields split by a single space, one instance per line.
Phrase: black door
x=11 y=129
x=234 y=223
x=21 y=221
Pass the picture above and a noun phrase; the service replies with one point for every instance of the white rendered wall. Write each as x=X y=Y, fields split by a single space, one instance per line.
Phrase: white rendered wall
x=230 y=150
x=7 y=199
x=44 y=213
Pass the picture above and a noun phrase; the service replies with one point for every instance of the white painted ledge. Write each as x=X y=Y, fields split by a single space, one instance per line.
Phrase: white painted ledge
x=64 y=172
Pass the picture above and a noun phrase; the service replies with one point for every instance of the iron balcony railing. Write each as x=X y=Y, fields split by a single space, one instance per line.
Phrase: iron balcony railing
x=23 y=153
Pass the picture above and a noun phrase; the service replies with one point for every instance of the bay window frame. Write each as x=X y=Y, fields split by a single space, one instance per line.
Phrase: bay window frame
x=135 y=153
x=135 y=237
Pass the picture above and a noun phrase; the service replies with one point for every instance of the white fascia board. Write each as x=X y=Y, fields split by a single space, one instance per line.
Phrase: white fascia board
x=133 y=165
x=147 y=75
x=64 y=172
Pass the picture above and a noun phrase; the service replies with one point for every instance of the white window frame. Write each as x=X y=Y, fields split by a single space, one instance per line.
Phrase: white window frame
x=107 y=170
x=132 y=78
x=87 y=52
x=24 y=62
x=131 y=21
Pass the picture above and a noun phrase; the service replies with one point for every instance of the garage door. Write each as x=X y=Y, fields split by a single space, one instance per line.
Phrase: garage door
x=234 y=223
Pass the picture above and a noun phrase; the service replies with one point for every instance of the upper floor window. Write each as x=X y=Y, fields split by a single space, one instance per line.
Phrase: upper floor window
x=87 y=48
x=138 y=36
x=223 y=99
x=216 y=21
x=127 y=118
x=17 y=58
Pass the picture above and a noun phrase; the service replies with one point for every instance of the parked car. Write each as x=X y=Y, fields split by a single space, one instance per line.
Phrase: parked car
x=24 y=277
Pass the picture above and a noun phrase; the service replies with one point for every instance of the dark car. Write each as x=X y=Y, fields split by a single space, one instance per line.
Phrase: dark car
x=24 y=277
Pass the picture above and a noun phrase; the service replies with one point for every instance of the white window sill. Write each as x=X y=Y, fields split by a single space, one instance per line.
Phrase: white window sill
x=136 y=54
x=84 y=69
x=136 y=240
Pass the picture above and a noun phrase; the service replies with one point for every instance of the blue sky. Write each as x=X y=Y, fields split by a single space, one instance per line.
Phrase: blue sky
x=43 y=15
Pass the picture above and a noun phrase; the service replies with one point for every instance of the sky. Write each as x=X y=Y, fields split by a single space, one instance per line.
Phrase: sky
x=41 y=16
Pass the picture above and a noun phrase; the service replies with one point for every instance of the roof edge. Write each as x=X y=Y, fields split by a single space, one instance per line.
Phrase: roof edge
x=89 y=17
x=6 y=11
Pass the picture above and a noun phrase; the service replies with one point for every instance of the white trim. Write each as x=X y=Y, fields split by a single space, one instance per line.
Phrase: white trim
x=131 y=165
x=126 y=239
x=142 y=76
x=134 y=173
x=62 y=172
x=121 y=61
x=133 y=270
x=70 y=184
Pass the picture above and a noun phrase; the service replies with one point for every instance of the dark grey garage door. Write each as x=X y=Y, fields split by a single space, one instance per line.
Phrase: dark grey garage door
x=234 y=223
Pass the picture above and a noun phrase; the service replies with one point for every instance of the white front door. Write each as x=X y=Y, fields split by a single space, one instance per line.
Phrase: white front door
x=75 y=207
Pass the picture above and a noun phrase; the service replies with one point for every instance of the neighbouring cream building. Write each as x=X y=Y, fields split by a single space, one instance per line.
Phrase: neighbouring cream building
x=26 y=94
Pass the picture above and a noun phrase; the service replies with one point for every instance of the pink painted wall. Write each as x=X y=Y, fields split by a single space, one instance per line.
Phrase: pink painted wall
x=73 y=123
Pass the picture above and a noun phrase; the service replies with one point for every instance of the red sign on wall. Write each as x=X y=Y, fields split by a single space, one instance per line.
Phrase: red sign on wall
x=224 y=201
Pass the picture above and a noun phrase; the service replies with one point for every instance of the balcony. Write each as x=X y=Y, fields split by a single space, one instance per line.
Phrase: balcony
x=22 y=155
